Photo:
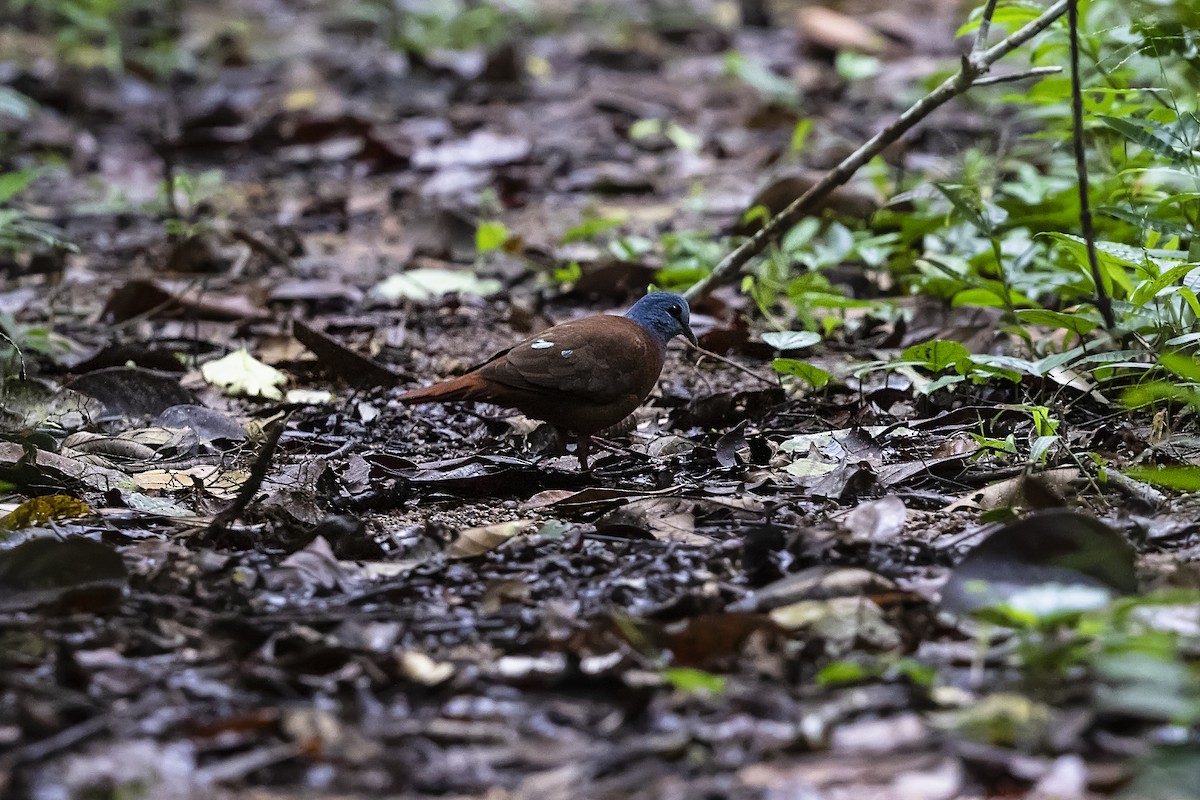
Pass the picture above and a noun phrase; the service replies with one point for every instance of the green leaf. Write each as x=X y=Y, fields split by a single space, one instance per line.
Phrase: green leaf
x=842 y=672
x=1147 y=221
x=1077 y=323
x=1147 y=290
x=1154 y=391
x=982 y=298
x=645 y=128
x=694 y=681
x=490 y=236
x=800 y=136
x=683 y=139
x=1181 y=365
x=774 y=88
x=814 y=376
x=13 y=183
x=966 y=205
x=1113 y=266
x=1010 y=15
x=1184 y=478
x=938 y=355
x=1152 y=136
x=590 y=228
x=856 y=66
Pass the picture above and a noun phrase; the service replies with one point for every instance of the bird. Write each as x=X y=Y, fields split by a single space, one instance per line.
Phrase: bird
x=581 y=376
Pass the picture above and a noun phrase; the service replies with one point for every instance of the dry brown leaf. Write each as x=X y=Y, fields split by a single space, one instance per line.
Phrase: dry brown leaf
x=476 y=541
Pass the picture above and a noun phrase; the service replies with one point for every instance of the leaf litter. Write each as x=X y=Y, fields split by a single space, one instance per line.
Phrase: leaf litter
x=746 y=599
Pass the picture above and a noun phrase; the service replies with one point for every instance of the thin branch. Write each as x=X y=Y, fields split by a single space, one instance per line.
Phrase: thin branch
x=1017 y=76
x=219 y=526
x=1085 y=212
x=985 y=27
x=730 y=362
x=973 y=66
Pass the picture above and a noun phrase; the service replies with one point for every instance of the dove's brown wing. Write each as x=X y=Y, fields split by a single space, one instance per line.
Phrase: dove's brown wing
x=584 y=375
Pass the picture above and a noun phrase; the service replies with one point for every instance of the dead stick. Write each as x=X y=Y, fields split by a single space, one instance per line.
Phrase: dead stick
x=258 y=473
x=973 y=67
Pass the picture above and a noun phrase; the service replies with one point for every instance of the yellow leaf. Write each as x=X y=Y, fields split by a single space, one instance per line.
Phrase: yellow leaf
x=41 y=510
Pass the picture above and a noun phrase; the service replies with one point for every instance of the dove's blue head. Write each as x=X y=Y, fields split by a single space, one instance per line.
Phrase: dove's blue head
x=665 y=315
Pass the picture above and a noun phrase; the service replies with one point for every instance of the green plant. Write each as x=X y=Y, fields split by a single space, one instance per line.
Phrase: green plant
x=99 y=33
x=19 y=231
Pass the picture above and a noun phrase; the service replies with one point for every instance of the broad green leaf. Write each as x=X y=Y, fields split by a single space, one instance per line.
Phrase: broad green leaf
x=1185 y=478
x=1181 y=365
x=1147 y=290
x=966 y=205
x=1040 y=448
x=983 y=298
x=13 y=183
x=1151 y=392
x=800 y=235
x=814 y=376
x=1113 y=267
x=645 y=128
x=941 y=383
x=774 y=88
x=841 y=672
x=938 y=355
x=1077 y=323
x=1010 y=15
x=1046 y=566
x=856 y=66
x=695 y=681
x=1151 y=136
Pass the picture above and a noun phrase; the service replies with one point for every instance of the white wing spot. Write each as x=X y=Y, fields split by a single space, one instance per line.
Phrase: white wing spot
x=567 y=353
x=541 y=344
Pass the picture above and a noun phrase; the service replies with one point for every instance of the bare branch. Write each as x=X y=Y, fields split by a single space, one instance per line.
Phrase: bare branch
x=1017 y=76
x=985 y=27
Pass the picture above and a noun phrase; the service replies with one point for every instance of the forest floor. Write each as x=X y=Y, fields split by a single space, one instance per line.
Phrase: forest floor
x=741 y=600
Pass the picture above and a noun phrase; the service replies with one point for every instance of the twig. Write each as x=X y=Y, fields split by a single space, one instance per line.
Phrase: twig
x=973 y=66
x=985 y=27
x=1085 y=212
x=17 y=348
x=1143 y=493
x=165 y=147
x=991 y=80
x=730 y=362
x=258 y=472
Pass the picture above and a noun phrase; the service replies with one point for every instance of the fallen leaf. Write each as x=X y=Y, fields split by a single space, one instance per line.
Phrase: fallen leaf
x=1047 y=565
x=877 y=521
x=240 y=374
x=476 y=541
x=425 y=284
x=40 y=510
